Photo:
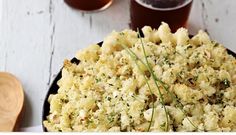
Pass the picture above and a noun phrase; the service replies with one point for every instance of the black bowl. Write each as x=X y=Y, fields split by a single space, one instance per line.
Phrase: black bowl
x=54 y=87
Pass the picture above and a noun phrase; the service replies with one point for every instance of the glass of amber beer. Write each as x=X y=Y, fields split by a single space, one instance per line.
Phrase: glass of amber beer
x=153 y=12
x=89 y=5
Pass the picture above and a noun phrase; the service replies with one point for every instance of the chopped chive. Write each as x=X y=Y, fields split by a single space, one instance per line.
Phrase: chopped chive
x=153 y=76
x=179 y=104
x=134 y=57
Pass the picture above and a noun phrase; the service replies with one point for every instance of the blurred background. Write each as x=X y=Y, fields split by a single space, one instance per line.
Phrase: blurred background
x=37 y=35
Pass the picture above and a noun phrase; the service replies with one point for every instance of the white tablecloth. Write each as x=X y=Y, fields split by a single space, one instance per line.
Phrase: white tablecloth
x=32 y=129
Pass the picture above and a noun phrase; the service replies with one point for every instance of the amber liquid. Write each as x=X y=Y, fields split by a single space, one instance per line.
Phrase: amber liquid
x=153 y=12
x=88 y=5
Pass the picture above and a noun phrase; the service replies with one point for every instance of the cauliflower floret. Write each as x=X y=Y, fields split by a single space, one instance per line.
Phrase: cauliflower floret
x=150 y=35
x=187 y=94
x=89 y=54
x=211 y=121
x=201 y=38
x=181 y=36
x=165 y=34
x=191 y=123
x=229 y=119
x=207 y=89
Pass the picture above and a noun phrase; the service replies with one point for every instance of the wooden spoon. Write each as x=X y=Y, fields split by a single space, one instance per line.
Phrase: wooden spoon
x=11 y=101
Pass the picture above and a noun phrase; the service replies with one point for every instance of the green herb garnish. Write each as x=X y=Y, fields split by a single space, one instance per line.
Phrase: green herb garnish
x=98 y=80
x=226 y=83
x=155 y=81
x=134 y=57
x=155 y=78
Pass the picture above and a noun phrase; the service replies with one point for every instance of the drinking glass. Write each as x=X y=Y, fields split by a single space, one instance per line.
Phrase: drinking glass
x=89 y=5
x=153 y=12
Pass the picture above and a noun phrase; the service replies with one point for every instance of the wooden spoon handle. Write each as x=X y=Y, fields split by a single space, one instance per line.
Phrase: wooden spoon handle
x=11 y=101
x=6 y=124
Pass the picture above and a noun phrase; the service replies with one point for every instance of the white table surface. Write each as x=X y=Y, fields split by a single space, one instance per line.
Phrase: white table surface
x=37 y=35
